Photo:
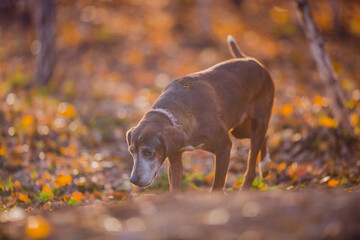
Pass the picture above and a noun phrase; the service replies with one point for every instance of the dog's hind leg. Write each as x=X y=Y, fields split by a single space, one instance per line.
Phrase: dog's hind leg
x=264 y=164
x=244 y=131
x=175 y=172
x=258 y=131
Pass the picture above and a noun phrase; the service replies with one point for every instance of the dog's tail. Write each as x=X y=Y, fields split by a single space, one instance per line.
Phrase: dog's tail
x=234 y=49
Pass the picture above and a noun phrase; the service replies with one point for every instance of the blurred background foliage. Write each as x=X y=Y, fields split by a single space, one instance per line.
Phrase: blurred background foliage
x=65 y=142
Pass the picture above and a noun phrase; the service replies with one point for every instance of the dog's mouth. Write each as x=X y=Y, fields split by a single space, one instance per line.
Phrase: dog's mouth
x=139 y=184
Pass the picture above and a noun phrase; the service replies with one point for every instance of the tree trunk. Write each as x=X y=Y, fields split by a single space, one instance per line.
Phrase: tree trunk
x=203 y=13
x=45 y=59
x=325 y=68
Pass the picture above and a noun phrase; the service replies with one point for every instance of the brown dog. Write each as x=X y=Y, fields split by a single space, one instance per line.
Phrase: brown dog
x=198 y=111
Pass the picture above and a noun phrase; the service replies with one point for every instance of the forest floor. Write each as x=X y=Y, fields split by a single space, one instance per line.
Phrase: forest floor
x=63 y=156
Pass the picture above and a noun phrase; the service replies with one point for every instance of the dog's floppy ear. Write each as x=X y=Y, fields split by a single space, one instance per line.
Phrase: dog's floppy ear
x=128 y=136
x=173 y=139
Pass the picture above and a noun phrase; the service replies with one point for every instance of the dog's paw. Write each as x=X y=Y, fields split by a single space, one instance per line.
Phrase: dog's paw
x=264 y=168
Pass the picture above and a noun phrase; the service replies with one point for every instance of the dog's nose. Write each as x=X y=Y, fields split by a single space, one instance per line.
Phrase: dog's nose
x=134 y=179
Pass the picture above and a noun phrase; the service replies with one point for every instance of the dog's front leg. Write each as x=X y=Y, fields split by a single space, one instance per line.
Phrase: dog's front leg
x=221 y=165
x=175 y=172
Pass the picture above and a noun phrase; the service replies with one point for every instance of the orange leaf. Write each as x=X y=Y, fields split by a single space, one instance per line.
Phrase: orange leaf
x=69 y=151
x=318 y=100
x=37 y=227
x=282 y=166
x=63 y=181
x=77 y=196
x=286 y=110
x=47 y=190
x=237 y=184
x=24 y=198
x=27 y=121
x=17 y=184
x=209 y=178
x=327 y=122
x=65 y=197
x=2 y=150
x=333 y=182
x=354 y=119
x=66 y=110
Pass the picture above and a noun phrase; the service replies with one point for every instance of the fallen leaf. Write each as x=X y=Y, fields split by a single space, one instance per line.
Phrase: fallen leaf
x=2 y=150
x=327 y=122
x=63 y=181
x=66 y=110
x=354 y=119
x=46 y=175
x=77 y=196
x=286 y=110
x=37 y=227
x=209 y=178
x=24 y=198
x=281 y=166
x=27 y=121
x=318 y=100
x=47 y=190
x=65 y=197
x=333 y=182
x=17 y=184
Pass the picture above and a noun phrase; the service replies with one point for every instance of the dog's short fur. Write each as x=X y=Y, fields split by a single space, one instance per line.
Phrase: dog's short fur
x=233 y=96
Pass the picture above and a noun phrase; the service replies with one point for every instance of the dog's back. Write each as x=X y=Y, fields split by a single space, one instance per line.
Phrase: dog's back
x=222 y=88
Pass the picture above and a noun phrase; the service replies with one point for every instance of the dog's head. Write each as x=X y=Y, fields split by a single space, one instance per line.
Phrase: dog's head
x=149 y=147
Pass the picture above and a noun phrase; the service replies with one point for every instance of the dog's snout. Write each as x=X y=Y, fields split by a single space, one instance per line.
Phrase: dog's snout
x=134 y=179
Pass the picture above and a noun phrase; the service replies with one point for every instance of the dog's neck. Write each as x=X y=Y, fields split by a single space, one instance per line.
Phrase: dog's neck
x=168 y=114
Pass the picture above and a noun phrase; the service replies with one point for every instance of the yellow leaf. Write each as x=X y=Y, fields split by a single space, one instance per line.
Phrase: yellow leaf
x=286 y=110
x=354 y=119
x=27 y=121
x=37 y=227
x=2 y=150
x=66 y=110
x=282 y=166
x=77 y=196
x=47 y=190
x=279 y=16
x=24 y=198
x=333 y=182
x=327 y=122
x=63 y=181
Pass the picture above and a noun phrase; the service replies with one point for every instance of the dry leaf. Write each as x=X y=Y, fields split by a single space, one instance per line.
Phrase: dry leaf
x=286 y=110
x=333 y=182
x=37 y=227
x=327 y=122
x=27 y=121
x=77 y=196
x=24 y=198
x=63 y=181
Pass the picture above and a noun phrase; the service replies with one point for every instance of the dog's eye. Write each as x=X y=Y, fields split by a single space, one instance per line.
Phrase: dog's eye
x=147 y=152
